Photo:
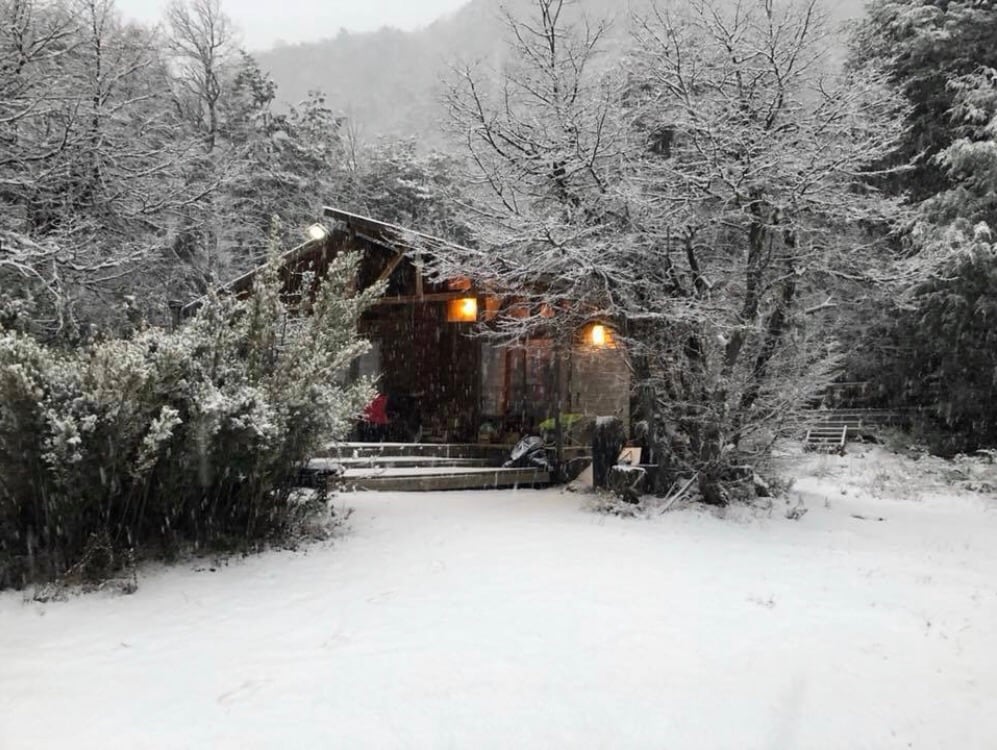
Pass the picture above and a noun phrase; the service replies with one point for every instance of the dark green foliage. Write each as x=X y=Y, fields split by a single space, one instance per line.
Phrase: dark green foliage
x=935 y=350
x=292 y=161
x=165 y=440
x=925 y=45
x=971 y=159
x=942 y=353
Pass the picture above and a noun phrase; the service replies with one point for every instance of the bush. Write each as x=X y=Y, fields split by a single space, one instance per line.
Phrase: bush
x=167 y=439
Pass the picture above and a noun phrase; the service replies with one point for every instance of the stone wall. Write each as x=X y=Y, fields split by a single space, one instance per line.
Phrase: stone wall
x=599 y=383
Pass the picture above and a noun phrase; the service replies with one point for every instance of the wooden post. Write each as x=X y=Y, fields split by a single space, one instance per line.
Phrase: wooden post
x=558 y=406
x=418 y=277
x=176 y=313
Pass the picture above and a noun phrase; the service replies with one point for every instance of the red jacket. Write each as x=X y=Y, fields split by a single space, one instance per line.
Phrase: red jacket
x=376 y=411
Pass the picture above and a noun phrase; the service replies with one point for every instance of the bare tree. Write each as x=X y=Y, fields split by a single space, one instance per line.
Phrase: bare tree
x=205 y=55
x=546 y=141
x=34 y=42
x=544 y=136
x=138 y=167
x=92 y=154
x=204 y=48
x=755 y=197
x=707 y=200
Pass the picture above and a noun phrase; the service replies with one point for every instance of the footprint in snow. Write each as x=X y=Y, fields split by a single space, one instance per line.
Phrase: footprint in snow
x=247 y=688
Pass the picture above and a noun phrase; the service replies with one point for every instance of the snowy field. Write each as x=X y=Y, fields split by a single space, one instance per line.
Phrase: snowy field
x=519 y=620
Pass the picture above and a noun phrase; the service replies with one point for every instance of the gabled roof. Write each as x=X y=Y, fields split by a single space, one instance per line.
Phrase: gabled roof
x=391 y=236
x=403 y=238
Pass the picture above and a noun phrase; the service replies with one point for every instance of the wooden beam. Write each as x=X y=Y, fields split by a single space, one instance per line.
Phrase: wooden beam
x=390 y=268
x=412 y=299
x=418 y=277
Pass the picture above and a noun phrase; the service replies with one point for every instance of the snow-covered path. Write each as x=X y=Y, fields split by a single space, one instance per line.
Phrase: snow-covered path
x=518 y=620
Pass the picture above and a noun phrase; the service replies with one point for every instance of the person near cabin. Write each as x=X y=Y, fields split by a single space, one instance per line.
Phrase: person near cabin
x=375 y=419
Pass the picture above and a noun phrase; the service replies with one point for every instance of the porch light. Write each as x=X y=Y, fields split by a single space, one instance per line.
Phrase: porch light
x=317 y=232
x=598 y=336
x=463 y=310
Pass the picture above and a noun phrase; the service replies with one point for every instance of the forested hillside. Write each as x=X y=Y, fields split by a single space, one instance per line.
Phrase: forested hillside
x=140 y=166
x=389 y=82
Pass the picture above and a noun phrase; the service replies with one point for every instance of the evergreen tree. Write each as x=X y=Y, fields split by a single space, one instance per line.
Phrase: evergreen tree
x=291 y=162
x=925 y=45
x=937 y=350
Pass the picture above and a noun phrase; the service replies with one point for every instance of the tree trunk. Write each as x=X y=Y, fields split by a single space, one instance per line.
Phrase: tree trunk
x=607 y=441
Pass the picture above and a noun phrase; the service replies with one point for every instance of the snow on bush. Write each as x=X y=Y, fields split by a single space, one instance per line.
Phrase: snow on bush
x=168 y=439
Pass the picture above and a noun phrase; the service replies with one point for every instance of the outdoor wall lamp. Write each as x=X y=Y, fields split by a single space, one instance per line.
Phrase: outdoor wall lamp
x=317 y=233
x=463 y=310
x=598 y=336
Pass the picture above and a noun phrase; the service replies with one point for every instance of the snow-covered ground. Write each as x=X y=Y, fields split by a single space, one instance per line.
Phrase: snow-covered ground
x=519 y=620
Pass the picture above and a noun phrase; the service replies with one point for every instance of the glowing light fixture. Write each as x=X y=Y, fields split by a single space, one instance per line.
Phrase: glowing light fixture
x=463 y=310
x=598 y=335
x=317 y=232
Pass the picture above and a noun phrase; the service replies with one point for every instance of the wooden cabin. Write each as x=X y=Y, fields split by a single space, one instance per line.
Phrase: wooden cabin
x=445 y=382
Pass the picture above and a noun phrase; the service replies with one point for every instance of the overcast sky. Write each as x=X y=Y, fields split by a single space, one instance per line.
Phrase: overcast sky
x=264 y=22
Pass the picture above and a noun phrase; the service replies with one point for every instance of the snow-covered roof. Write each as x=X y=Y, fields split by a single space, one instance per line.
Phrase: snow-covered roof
x=382 y=233
x=404 y=238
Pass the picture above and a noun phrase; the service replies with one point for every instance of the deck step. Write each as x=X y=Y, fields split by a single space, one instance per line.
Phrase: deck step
x=397 y=450
x=399 y=480
x=421 y=467
x=491 y=452
x=397 y=462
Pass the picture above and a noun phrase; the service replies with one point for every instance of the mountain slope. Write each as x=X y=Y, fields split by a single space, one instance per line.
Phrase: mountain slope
x=389 y=82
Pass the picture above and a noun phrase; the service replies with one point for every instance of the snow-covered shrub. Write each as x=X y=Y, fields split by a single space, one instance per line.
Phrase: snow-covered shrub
x=173 y=438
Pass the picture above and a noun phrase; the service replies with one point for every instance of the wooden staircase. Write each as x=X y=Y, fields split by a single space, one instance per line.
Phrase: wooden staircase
x=826 y=437
x=422 y=467
x=830 y=429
